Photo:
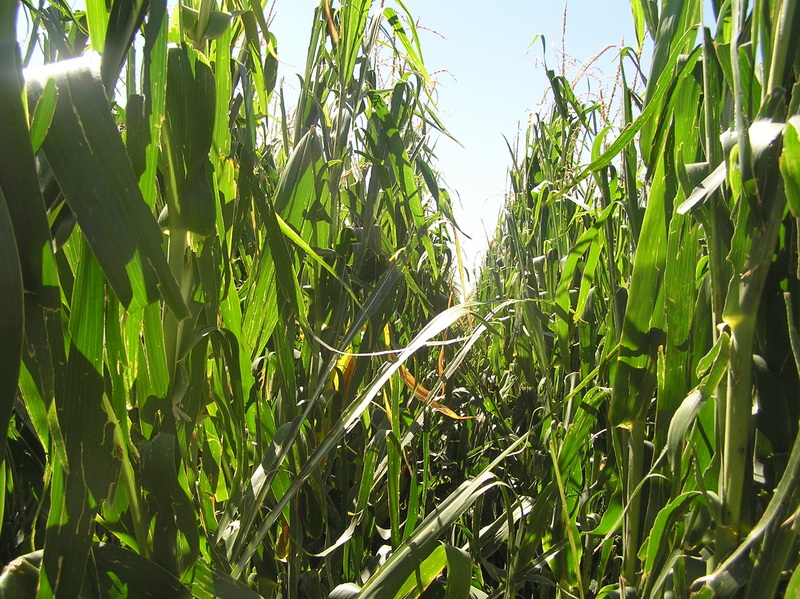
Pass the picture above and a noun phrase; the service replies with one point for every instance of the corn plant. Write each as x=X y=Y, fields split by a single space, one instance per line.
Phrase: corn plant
x=679 y=310
x=235 y=366
x=214 y=314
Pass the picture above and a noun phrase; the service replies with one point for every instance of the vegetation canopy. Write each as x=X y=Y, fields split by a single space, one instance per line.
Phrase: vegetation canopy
x=236 y=360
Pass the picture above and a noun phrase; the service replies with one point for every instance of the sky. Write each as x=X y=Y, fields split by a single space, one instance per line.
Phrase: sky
x=490 y=78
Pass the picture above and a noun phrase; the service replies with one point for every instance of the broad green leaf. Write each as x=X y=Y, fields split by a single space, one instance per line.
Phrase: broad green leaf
x=677 y=22
x=81 y=411
x=85 y=151
x=638 y=22
x=97 y=20
x=291 y=303
x=258 y=488
x=459 y=573
x=19 y=579
x=262 y=312
x=655 y=550
x=224 y=83
x=793 y=588
x=68 y=540
x=119 y=570
x=421 y=543
x=297 y=187
x=410 y=44
x=775 y=512
x=353 y=17
x=88 y=435
x=187 y=134
x=635 y=382
x=573 y=442
x=709 y=185
x=209 y=26
x=680 y=293
x=299 y=242
x=347 y=590
x=396 y=172
x=154 y=86
x=423 y=575
x=125 y=570
x=590 y=242
x=611 y=519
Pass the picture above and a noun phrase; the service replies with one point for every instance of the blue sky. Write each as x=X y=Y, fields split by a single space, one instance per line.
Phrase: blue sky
x=490 y=79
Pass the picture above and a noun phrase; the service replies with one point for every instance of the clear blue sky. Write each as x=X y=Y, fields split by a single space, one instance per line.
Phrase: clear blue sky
x=490 y=78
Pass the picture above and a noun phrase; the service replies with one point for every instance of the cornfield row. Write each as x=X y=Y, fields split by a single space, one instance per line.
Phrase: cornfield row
x=235 y=364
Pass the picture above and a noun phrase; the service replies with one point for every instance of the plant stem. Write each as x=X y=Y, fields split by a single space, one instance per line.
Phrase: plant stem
x=632 y=522
x=568 y=523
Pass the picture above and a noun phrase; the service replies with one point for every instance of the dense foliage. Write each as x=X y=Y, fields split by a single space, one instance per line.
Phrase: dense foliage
x=236 y=365
x=656 y=342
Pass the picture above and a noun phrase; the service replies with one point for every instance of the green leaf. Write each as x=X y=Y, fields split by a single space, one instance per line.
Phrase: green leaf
x=590 y=241
x=297 y=189
x=410 y=44
x=81 y=411
x=784 y=497
x=611 y=519
x=635 y=382
x=793 y=588
x=43 y=114
x=124 y=21
x=173 y=509
x=97 y=20
x=415 y=550
x=657 y=545
x=208 y=583
x=19 y=182
x=418 y=547
x=665 y=85
x=215 y=25
x=118 y=570
x=790 y=164
x=92 y=465
x=11 y=323
x=89 y=160
x=187 y=134
x=155 y=88
x=675 y=378
x=68 y=539
x=459 y=573
x=140 y=577
x=423 y=575
x=638 y=22
x=350 y=416
x=19 y=579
